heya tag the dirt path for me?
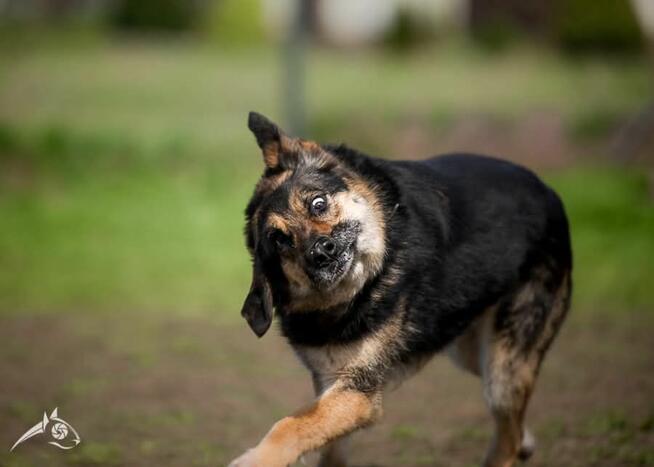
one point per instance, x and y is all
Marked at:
(151, 390)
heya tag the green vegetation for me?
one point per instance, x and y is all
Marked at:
(132, 234)
(612, 220)
(163, 15)
(94, 453)
(597, 26)
(125, 167)
(623, 437)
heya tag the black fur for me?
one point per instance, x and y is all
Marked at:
(464, 230)
(264, 130)
(475, 255)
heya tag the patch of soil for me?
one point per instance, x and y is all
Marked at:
(156, 390)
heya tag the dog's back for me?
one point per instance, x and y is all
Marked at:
(479, 229)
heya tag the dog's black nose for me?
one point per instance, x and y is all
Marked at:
(323, 252)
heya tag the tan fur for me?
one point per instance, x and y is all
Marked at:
(331, 362)
(389, 280)
(506, 442)
(269, 184)
(557, 315)
(299, 203)
(356, 204)
(271, 155)
(297, 278)
(508, 378)
(310, 146)
(371, 249)
(508, 374)
(334, 453)
(273, 150)
(277, 221)
(359, 203)
(337, 412)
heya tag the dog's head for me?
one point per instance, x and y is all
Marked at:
(315, 228)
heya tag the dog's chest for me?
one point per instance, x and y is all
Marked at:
(329, 361)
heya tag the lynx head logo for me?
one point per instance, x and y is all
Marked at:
(61, 432)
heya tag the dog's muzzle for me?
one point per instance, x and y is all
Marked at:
(329, 257)
(323, 253)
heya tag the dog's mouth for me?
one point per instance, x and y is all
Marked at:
(330, 275)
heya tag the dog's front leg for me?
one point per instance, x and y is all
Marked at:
(338, 411)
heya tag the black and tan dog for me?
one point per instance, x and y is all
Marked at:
(373, 266)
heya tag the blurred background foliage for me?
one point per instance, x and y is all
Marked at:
(603, 25)
(125, 162)
(157, 15)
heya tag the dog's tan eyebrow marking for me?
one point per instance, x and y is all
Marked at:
(277, 221)
(322, 225)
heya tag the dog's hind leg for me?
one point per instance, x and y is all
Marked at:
(505, 347)
(508, 382)
(512, 348)
(478, 352)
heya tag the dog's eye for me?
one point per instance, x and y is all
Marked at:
(280, 239)
(318, 205)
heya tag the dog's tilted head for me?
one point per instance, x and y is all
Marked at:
(315, 228)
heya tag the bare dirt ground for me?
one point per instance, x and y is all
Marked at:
(153, 390)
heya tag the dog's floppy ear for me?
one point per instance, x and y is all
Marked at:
(270, 138)
(258, 307)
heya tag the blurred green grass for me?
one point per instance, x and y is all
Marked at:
(136, 240)
(151, 90)
(611, 216)
(125, 165)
